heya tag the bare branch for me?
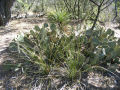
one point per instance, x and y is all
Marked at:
(116, 13)
(94, 2)
(98, 13)
(106, 2)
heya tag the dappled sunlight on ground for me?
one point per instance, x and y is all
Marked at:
(14, 28)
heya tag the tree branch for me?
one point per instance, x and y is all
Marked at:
(116, 13)
(107, 5)
(97, 16)
(94, 2)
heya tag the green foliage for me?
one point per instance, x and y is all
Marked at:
(42, 49)
(36, 9)
(75, 65)
(25, 5)
(59, 17)
(102, 45)
(79, 9)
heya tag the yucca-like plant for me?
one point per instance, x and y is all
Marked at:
(61, 17)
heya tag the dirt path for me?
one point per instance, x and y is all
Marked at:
(15, 27)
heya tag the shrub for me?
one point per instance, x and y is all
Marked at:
(25, 6)
(101, 45)
(41, 50)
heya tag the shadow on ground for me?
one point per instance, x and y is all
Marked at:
(10, 80)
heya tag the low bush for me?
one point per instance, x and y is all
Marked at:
(43, 49)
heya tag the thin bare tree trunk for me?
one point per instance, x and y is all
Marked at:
(98, 13)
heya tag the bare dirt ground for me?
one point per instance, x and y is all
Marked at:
(14, 28)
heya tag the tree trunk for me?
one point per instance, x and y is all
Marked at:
(5, 12)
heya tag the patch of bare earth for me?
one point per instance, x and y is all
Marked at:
(14, 28)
